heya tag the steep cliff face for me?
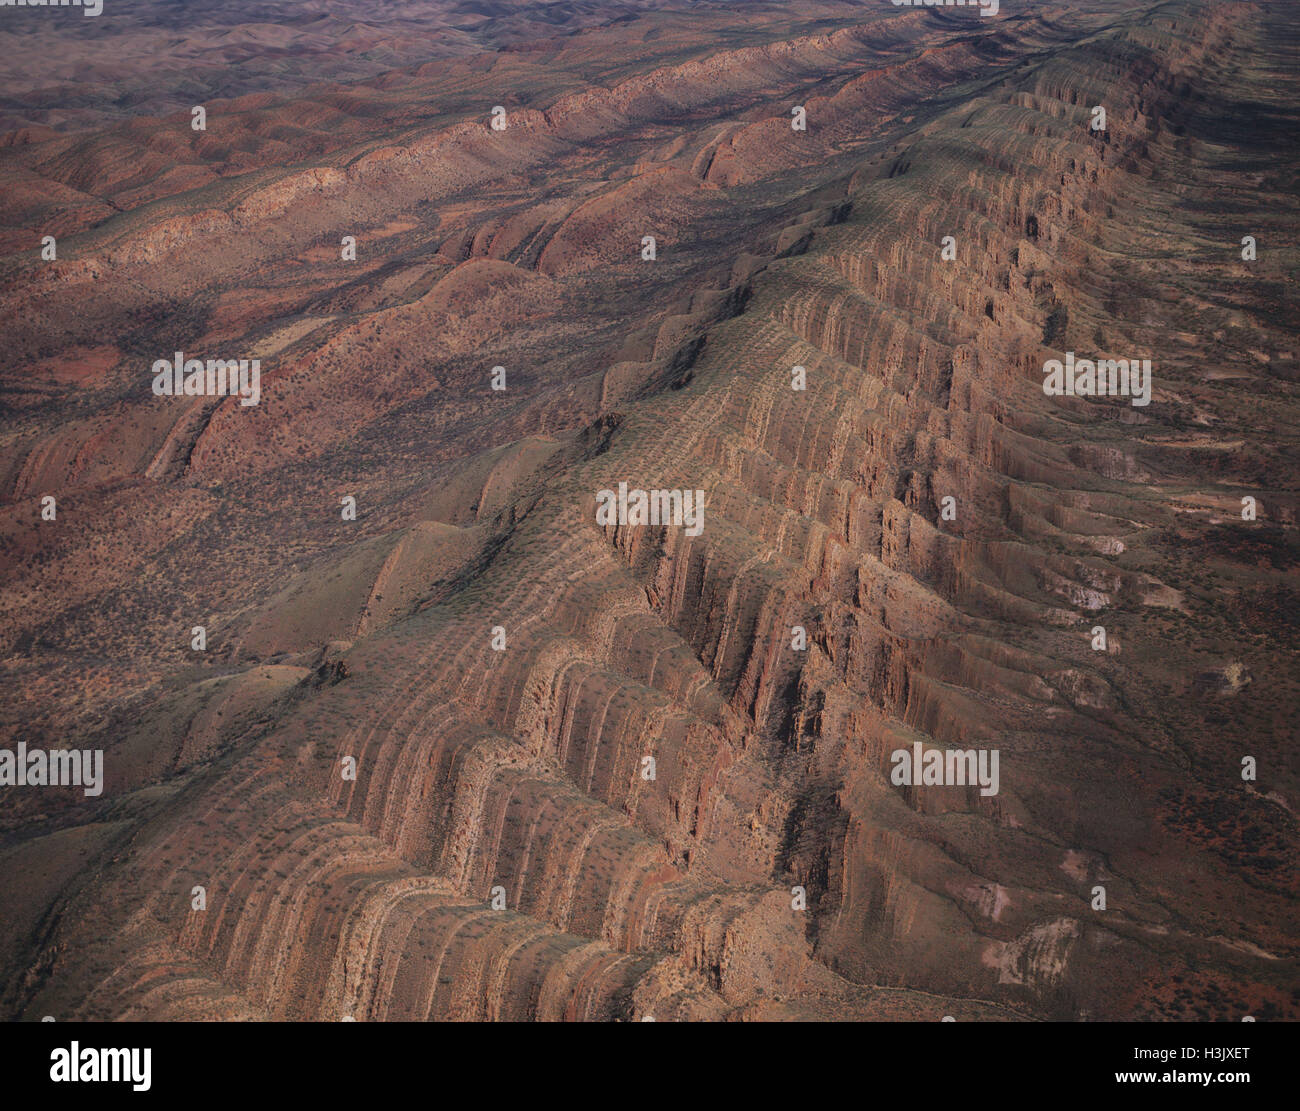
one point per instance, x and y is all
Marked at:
(479, 755)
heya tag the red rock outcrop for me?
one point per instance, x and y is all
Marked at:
(501, 670)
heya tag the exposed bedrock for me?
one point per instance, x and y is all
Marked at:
(503, 851)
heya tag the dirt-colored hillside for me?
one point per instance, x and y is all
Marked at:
(498, 666)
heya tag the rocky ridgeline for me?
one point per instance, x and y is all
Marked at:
(499, 851)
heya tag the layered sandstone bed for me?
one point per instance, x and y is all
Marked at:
(499, 854)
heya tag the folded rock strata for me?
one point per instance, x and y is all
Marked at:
(521, 769)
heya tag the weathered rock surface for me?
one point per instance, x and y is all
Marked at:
(521, 769)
